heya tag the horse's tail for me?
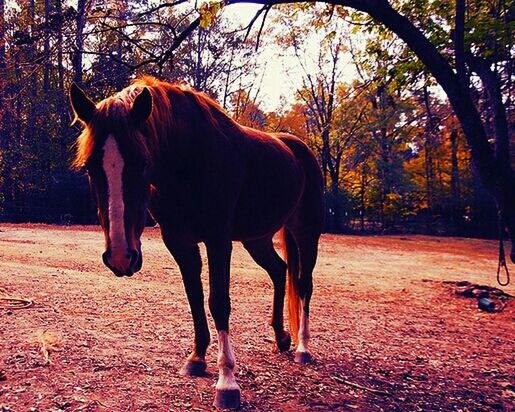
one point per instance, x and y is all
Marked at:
(291, 253)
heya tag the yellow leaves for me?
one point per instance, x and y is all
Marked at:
(49, 341)
(330, 36)
(208, 12)
(303, 6)
(342, 12)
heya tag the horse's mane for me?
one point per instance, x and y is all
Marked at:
(164, 96)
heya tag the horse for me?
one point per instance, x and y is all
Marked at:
(172, 151)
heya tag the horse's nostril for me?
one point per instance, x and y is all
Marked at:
(134, 258)
(105, 258)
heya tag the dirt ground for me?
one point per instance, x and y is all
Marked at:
(387, 332)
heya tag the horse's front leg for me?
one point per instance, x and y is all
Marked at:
(190, 265)
(219, 257)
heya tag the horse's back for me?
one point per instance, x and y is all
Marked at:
(246, 181)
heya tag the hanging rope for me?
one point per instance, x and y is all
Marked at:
(502, 254)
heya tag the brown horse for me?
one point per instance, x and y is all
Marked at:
(204, 178)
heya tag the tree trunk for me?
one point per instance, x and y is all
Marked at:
(429, 175)
(16, 134)
(428, 156)
(46, 50)
(79, 41)
(3, 65)
(228, 80)
(197, 81)
(29, 123)
(32, 47)
(60, 67)
(5, 115)
(459, 43)
(335, 192)
(362, 199)
(325, 154)
(122, 73)
(337, 215)
(491, 84)
(455, 182)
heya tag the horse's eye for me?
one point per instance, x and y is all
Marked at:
(139, 164)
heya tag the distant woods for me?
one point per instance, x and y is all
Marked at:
(393, 155)
(101, 45)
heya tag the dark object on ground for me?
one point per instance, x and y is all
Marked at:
(486, 304)
(490, 299)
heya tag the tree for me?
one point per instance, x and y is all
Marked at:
(215, 61)
(44, 46)
(318, 93)
(2, 57)
(246, 111)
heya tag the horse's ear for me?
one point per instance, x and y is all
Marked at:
(142, 106)
(82, 105)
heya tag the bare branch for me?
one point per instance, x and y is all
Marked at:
(262, 25)
(178, 40)
(161, 6)
(251, 24)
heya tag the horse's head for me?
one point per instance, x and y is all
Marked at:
(112, 148)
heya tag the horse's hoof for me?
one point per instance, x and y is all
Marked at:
(227, 398)
(194, 368)
(284, 343)
(303, 357)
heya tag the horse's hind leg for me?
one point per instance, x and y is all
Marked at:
(190, 265)
(264, 254)
(307, 244)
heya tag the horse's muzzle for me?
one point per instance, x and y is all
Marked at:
(125, 265)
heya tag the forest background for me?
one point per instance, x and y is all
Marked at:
(393, 156)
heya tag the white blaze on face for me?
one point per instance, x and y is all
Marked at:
(303, 330)
(226, 363)
(113, 167)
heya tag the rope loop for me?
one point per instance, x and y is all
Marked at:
(502, 254)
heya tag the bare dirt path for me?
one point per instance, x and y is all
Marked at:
(382, 318)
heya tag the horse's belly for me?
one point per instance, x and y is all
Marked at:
(269, 196)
